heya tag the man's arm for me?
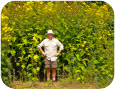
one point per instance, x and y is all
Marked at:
(42, 51)
(39, 46)
(61, 48)
(58, 53)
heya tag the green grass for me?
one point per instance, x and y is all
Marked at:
(60, 84)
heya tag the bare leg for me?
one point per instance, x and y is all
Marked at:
(53, 73)
(48, 73)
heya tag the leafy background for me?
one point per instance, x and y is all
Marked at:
(86, 29)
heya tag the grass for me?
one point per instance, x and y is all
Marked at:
(60, 84)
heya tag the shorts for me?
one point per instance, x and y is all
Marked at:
(49, 63)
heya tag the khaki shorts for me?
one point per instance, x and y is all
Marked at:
(49, 63)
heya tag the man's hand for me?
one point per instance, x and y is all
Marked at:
(44, 53)
(57, 54)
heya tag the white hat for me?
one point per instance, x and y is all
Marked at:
(50, 31)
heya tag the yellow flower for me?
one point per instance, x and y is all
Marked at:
(4, 17)
(50, 9)
(30, 49)
(35, 35)
(34, 38)
(18, 6)
(68, 6)
(78, 78)
(109, 34)
(29, 55)
(2, 54)
(100, 37)
(94, 4)
(105, 7)
(65, 2)
(103, 35)
(29, 8)
(84, 42)
(36, 56)
(84, 3)
(83, 45)
(41, 2)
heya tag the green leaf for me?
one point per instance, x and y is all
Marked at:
(23, 66)
(96, 61)
(30, 65)
(38, 68)
(40, 37)
(13, 52)
(84, 63)
(66, 68)
(24, 41)
(34, 79)
(23, 52)
(18, 64)
(5, 69)
(13, 23)
(78, 57)
(34, 71)
(14, 39)
(78, 71)
(29, 74)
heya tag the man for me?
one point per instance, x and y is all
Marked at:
(50, 47)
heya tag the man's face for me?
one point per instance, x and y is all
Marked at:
(50, 35)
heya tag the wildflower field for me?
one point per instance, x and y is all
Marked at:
(85, 28)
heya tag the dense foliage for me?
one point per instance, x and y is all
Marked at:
(86, 29)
